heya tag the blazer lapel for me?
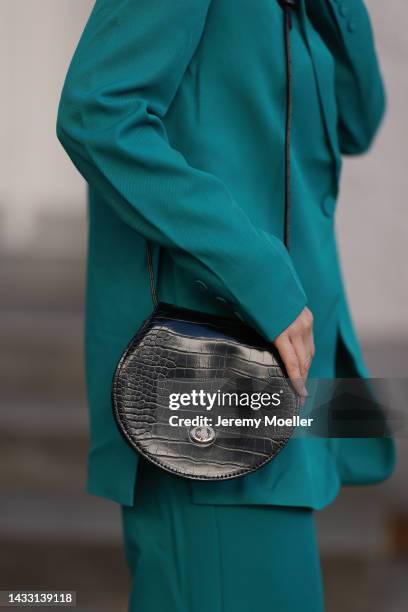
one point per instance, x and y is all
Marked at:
(324, 81)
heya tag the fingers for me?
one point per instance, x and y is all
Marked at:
(296, 348)
(304, 344)
(302, 352)
(291, 362)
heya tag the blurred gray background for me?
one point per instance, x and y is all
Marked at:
(52, 535)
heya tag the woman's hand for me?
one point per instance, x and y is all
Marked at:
(296, 348)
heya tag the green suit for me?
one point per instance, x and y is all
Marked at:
(174, 112)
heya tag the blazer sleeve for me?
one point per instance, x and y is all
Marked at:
(346, 30)
(123, 77)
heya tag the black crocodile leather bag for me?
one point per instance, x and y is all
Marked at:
(201, 396)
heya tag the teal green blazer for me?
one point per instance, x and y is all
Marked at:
(174, 112)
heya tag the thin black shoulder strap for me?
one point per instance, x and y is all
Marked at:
(287, 6)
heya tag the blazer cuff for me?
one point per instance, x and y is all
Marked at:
(272, 296)
(270, 309)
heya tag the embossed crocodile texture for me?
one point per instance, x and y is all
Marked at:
(177, 350)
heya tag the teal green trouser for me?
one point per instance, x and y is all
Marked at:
(185, 557)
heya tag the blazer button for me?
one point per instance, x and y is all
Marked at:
(343, 10)
(222, 300)
(201, 285)
(351, 26)
(329, 205)
(239, 315)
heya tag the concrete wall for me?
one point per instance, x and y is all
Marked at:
(37, 39)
